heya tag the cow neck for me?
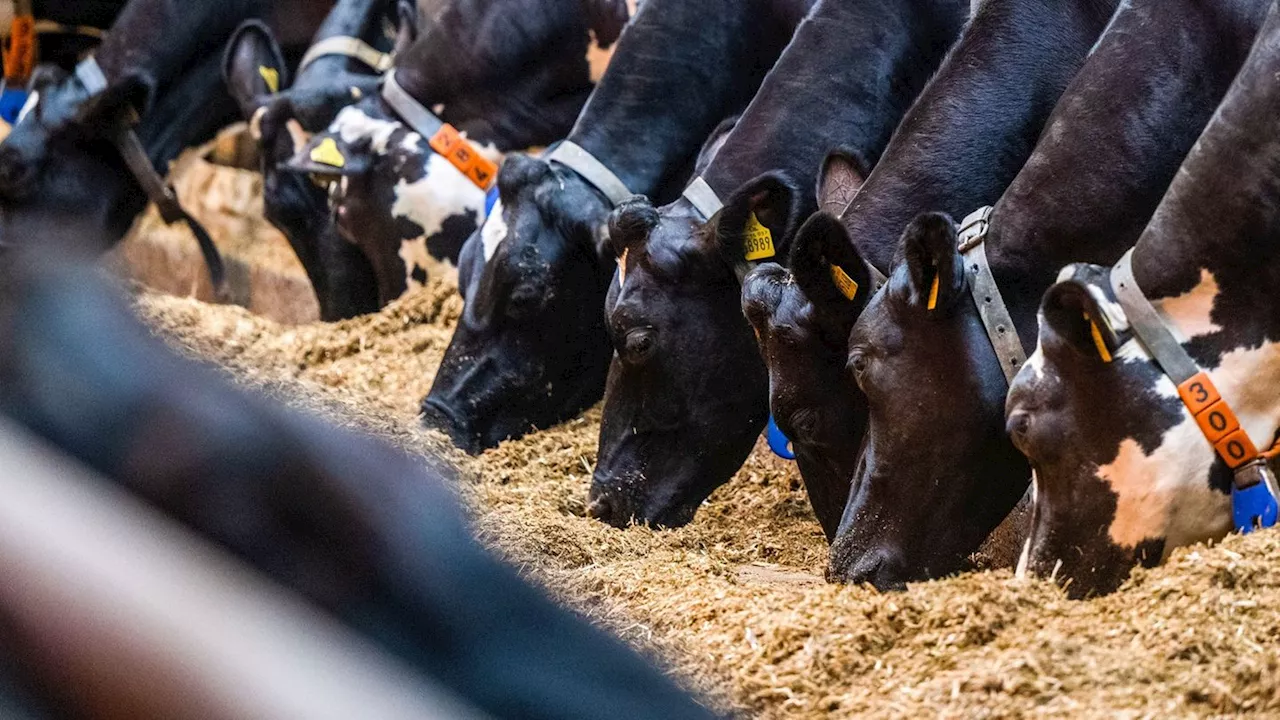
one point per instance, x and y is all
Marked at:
(351, 30)
(682, 66)
(1064, 206)
(976, 122)
(443, 138)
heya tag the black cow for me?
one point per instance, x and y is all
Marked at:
(686, 395)
(942, 155)
(283, 117)
(939, 474)
(160, 60)
(507, 75)
(362, 530)
(1123, 472)
(531, 349)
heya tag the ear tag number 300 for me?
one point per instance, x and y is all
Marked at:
(757, 240)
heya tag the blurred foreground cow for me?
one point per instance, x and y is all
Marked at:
(360, 529)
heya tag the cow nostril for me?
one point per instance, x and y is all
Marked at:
(882, 568)
(438, 415)
(599, 508)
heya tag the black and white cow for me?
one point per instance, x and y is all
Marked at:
(943, 155)
(283, 116)
(507, 75)
(531, 349)
(161, 60)
(686, 395)
(1123, 472)
(938, 474)
(365, 532)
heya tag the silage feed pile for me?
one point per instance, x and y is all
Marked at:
(734, 606)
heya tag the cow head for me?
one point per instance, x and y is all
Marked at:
(530, 349)
(59, 160)
(802, 318)
(282, 118)
(1122, 471)
(937, 474)
(503, 86)
(687, 393)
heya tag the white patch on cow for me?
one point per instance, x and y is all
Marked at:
(353, 125)
(356, 93)
(1191, 314)
(494, 231)
(438, 108)
(442, 193)
(32, 100)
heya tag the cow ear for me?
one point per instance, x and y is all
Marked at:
(829, 269)
(136, 90)
(1073, 325)
(756, 219)
(934, 274)
(630, 224)
(606, 19)
(406, 26)
(842, 175)
(253, 66)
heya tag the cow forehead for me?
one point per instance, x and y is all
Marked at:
(354, 124)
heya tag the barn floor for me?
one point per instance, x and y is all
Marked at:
(734, 605)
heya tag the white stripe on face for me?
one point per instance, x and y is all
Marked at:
(352, 125)
(32, 100)
(494, 231)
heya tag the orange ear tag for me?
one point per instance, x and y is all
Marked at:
(1098, 342)
(847, 286)
(20, 59)
(757, 241)
(453, 147)
(622, 267)
(933, 291)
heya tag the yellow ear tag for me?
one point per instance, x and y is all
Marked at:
(933, 291)
(622, 267)
(847, 286)
(1098, 342)
(327, 153)
(757, 240)
(271, 77)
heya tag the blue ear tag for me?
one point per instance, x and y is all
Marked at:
(490, 199)
(11, 103)
(778, 442)
(1253, 507)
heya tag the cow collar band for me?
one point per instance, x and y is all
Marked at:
(986, 295)
(574, 157)
(1254, 490)
(157, 190)
(441, 136)
(351, 47)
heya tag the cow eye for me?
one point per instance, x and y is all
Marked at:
(640, 344)
(858, 362)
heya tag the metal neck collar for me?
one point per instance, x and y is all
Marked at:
(352, 47)
(599, 176)
(157, 190)
(441, 136)
(986, 294)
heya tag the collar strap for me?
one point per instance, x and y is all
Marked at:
(574, 157)
(1217, 421)
(986, 294)
(157, 190)
(703, 198)
(441, 136)
(351, 47)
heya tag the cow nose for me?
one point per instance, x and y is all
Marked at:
(607, 507)
(884, 568)
(439, 415)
